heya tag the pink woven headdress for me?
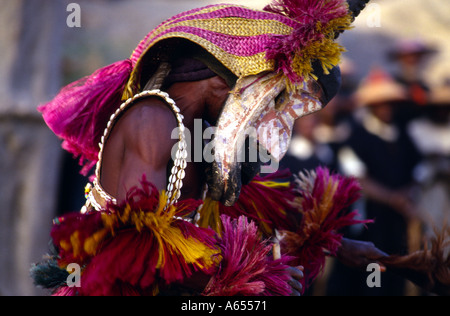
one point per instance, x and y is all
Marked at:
(80, 112)
(286, 38)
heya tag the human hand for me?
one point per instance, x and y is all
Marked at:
(297, 275)
(359, 254)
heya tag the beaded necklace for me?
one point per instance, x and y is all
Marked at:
(97, 197)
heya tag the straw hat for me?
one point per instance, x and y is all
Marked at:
(379, 86)
(410, 47)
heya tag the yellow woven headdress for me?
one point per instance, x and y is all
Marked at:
(286, 37)
(233, 41)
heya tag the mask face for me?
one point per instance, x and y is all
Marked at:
(263, 109)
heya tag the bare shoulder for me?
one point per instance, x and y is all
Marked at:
(149, 113)
(147, 128)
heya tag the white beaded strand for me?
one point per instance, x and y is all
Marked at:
(178, 173)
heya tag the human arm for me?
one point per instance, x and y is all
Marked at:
(140, 144)
(358, 254)
(399, 200)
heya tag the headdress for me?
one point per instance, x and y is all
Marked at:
(236, 42)
(379, 86)
(410, 47)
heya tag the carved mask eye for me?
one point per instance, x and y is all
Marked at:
(260, 107)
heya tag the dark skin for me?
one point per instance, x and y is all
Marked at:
(140, 143)
(359, 254)
(135, 148)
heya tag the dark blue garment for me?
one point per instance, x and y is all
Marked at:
(390, 164)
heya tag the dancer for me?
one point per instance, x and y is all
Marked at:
(156, 222)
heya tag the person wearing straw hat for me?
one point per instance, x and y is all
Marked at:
(411, 56)
(156, 222)
(383, 157)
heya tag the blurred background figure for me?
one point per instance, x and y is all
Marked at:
(431, 135)
(305, 152)
(335, 122)
(410, 58)
(383, 157)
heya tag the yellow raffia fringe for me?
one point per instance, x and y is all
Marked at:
(91, 244)
(327, 51)
(322, 208)
(75, 242)
(159, 223)
(209, 216)
(274, 184)
(326, 203)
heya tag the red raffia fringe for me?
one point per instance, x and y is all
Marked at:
(308, 214)
(270, 201)
(246, 268)
(136, 245)
(326, 199)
